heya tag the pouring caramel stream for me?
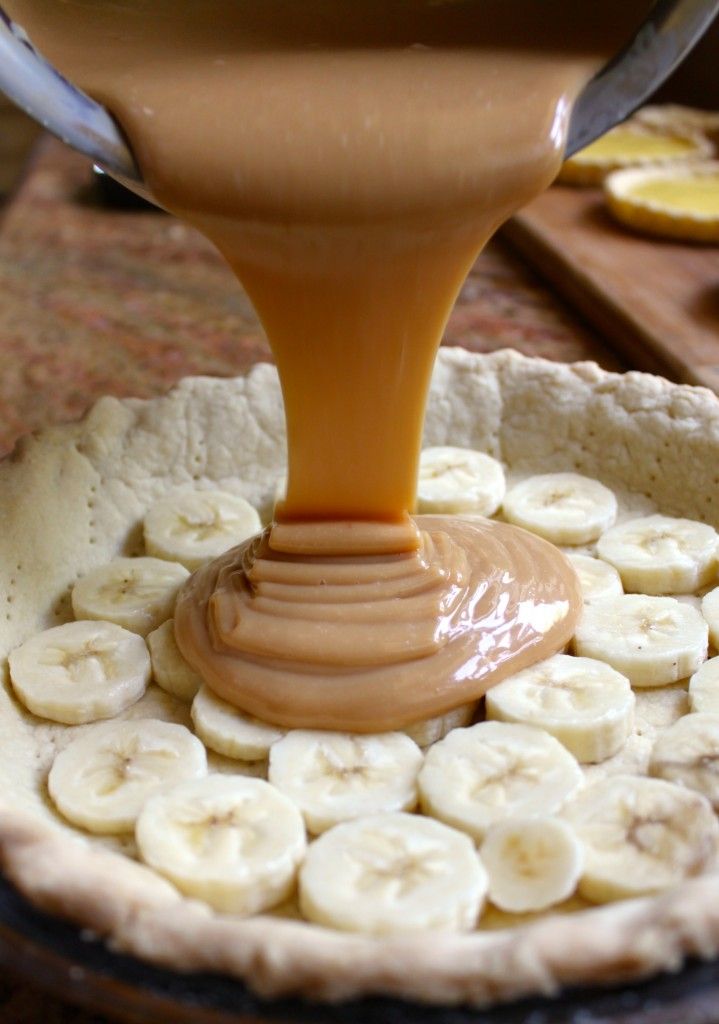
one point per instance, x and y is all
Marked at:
(350, 159)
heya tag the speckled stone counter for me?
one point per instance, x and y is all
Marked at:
(96, 301)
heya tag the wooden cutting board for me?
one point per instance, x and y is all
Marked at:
(655, 301)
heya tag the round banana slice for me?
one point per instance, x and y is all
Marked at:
(710, 611)
(459, 480)
(597, 579)
(688, 754)
(640, 836)
(136, 593)
(704, 687)
(633, 145)
(585, 704)
(661, 555)
(226, 730)
(651, 640)
(231, 841)
(334, 777)
(191, 527)
(431, 730)
(103, 778)
(532, 863)
(80, 672)
(393, 873)
(681, 201)
(493, 771)
(565, 508)
(169, 668)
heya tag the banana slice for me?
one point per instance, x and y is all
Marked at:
(392, 873)
(532, 863)
(492, 771)
(704, 687)
(231, 841)
(432, 730)
(334, 777)
(585, 704)
(101, 780)
(226, 730)
(640, 836)
(710, 611)
(80, 672)
(662, 555)
(169, 668)
(651, 640)
(458, 480)
(597, 579)
(136, 593)
(193, 526)
(688, 754)
(565, 508)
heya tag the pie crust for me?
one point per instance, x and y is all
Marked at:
(73, 497)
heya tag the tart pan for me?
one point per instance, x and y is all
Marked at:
(50, 954)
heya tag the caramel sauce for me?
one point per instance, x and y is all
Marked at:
(350, 158)
(379, 641)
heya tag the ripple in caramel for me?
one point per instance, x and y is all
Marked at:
(378, 641)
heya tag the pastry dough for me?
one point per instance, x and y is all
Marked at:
(73, 497)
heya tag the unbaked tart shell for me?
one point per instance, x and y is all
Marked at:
(73, 497)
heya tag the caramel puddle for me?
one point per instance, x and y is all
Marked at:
(379, 641)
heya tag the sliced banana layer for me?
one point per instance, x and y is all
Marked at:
(169, 668)
(640, 836)
(565, 508)
(597, 579)
(459, 480)
(102, 779)
(710, 611)
(585, 704)
(226, 730)
(651, 640)
(432, 730)
(704, 687)
(532, 863)
(191, 527)
(136, 593)
(688, 753)
(393, 873)
(80, 672)
(661, 555)
(494, 771)
(334, 777)
(231, 841)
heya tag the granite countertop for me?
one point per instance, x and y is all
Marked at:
(96, 301)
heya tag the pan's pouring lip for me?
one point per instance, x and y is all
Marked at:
(39, 89)
(671, 30)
